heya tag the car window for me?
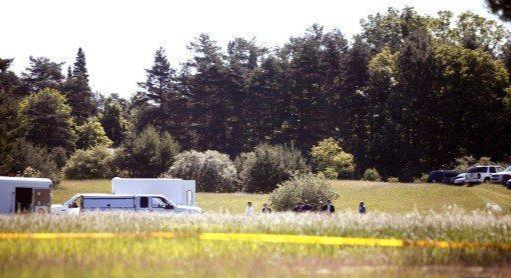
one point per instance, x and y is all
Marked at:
(500, 169)
(508, 169)
(478, 170)
(144, 202)
(493, 170)
(158, 202)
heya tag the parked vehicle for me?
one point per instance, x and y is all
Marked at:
(501, 176)
(449, 177)
(20, 195)
(109, 202)
(438, 176)
(460, 179)
(178, 191)
(480, 174)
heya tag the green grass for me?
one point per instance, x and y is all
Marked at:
(410, 211)
(378, 196)
(149, 257)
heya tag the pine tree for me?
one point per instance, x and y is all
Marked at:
(77, 90)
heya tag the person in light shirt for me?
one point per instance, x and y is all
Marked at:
(249, 209)
(328, 207)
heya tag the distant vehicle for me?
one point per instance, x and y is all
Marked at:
(460, 179)
(449, 177)
(501, 177)
(480, 174)
(109, 202)
(178, 191)
(20, 195)
(438, 176)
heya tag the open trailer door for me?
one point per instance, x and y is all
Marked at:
(42, 200)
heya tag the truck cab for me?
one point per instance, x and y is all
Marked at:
(108, 202)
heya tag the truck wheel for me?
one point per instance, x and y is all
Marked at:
(486, 180)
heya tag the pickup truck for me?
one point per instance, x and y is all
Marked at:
(108, 202)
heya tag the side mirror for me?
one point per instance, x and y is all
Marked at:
(169, 206)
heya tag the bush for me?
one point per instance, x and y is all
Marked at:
(267, 166)
(371, 174)
(95, 163)
(462, 164)
(147, 154)
(329, 157)
(308, 188)
(213, 171)
(25, 157)
(392, 179)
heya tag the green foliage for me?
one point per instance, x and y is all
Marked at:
(307, 188)
(93, 163)
(266, 166)
(371, 174)
(45, 120)
(392, 180)
(212, 171)
(329, 158)
(462, 164)
(23, 155)
(91, 134)
(147, 154)
(113, 121)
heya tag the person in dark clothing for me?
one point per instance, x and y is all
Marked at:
(362, 208)
(266, 209)
(307, 206)
(298, 207)
(328, 207)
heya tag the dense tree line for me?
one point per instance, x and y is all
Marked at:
(408, 94)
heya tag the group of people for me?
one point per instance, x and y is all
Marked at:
(327, 207)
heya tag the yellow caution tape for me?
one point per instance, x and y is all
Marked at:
(268, 238)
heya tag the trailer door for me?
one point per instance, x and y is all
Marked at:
(42, 200)
(23, 199)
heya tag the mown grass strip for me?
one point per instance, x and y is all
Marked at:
(268, 238)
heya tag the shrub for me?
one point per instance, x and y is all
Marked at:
(392, 179)
(327, 155)
(95, 163)
(32, 173)
(308, 188)
(213, 171)
(24, 156)
(371, 174)
(462, 164)
(147, 154)
(422, 178)
(267, 166)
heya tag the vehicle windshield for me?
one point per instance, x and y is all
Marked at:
(477, 170)
(70, 201)
(508, 169)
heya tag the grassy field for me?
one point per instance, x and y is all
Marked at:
(378, 196)
(408, 211)
(149, 257)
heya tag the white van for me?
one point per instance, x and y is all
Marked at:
(108, 202)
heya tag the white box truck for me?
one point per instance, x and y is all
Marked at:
(181, 192)
(19, 195)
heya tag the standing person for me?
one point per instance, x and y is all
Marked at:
(328, 207)
(266, 209)
(362, 208)
(249, 209)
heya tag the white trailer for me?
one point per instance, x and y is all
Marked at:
(181, 192)
(19, 195)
